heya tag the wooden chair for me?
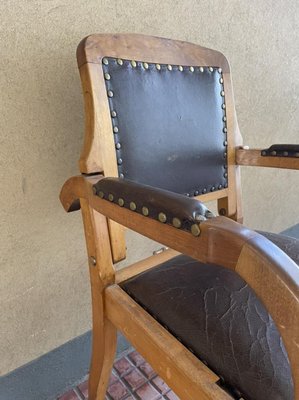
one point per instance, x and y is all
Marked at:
(162, 139)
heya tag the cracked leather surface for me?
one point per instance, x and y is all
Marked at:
(218, 317)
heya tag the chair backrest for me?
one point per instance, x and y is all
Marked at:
(160, 112)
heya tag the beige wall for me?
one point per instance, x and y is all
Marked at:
(44, 283)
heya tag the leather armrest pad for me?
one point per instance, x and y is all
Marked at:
(167, 207)
(282, 150)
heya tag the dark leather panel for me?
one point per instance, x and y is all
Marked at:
(169, 125)
(219, 318)
(178, 210)
(282, 150)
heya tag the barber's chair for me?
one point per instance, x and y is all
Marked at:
(217, 314)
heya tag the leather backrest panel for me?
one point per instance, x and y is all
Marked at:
(169, 124)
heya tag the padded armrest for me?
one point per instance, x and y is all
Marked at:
(171, 208)
(281, 150)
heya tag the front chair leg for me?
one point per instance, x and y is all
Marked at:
(102, 274)
(103, 353)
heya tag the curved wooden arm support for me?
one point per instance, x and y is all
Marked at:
(268, 270)
(254, 158)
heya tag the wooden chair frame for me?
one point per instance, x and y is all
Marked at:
(269, 271)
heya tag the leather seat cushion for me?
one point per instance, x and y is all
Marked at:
(214, 313)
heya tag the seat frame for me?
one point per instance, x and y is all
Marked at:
(223, 240)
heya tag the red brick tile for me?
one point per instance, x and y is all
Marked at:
(83, 387)
(136, 358)
(147, 370)
(118, 391)
(172, 396)
(147, 392)
(134, 379)
(160, 385)
(123, 366)
(70, 395)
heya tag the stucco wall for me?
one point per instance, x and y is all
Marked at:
(44, 285)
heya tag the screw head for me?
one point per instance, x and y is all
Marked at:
(92, 261)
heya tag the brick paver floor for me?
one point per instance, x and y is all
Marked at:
(132, 378)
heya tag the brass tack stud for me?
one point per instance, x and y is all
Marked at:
(204, 190)
(220, 70)
(201, 69)
(119, 161)
(196, 193)
(225, 155)
(158, 67)
(181, 69)
(224, 119)
(225, 143)
(105, 61)
(212, 188)
(145, 65)
(120, 61)
(195, 230)
(221, 80)
(110, 197)
(222, 93)
(101, 194)
(115, 129)
(110, 93)
(224, 129)
(113, 114)
(107, 76)
(223, 106)
(220, 187)
(176, 222)
(121, 176)
(211, 69)
(191, 69)
(226, 185)
(118, 146)
(225, 174)
(145, 211)
(134, 63)
(121, 202)
(162, 217)
(169, 67)
(94, 190)
(133, 206)
(285, 153)
(273, 153)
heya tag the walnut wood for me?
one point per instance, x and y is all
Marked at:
(254, 158)
(178, 367)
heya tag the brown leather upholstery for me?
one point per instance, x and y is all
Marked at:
(169, 125)
(151, 202)
(215, 314)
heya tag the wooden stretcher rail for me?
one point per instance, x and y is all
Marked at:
(254, 158)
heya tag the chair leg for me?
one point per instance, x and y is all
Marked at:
(103, 352)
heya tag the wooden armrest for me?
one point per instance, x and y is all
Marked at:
(268, 270)
(168, 207)
(274, 157)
